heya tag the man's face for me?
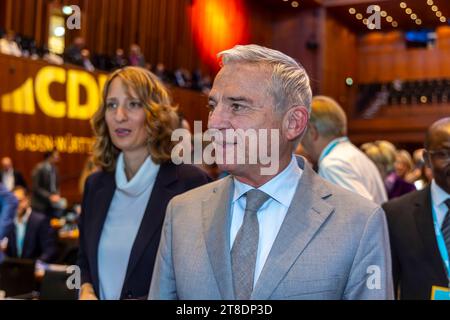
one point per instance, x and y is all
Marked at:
(240, 99)
(437, 157)
(24, 202)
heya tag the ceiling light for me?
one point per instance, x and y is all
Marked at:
(365, 21)
(438, 14)
(403, 5)
(408, 10)
(395, 24)
(430, 2)
(434, 8)
(418, 22)
(359, 16)
(414, 16)
(443, 19)
(294, 4)
(352, 10)
(389, 19)
(383, 13)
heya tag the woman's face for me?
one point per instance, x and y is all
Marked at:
(401, 168)
(125, 117)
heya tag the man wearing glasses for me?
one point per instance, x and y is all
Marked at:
(419, 226)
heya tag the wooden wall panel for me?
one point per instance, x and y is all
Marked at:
(383, 57)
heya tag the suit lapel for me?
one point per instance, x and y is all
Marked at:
(102, 200)
(216, 224)
(306, 214)
(154, 214)
(28, 241)
(425, 226)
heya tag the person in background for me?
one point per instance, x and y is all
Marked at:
(395, 184)
(124, 204)
(8, 206)
(119, 60)
(9, 46)
(136, 58)
(45, 189)
(421, 175)
(87, 63)
(403, 163)
(73, 53)
(419, 224)
(338, 160)
(10, 177)
(32, 236)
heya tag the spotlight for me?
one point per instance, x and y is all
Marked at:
(389, 19)
(352, 10)
(443, 19)
(403, 5)
(383, 14)
(408, 11)
(438, 14)
(413, 16)
(395, 24)
(434, 8)
(430, 2)
(359, 16)
(418, 22)
(294, 4)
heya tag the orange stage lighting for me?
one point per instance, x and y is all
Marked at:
(217, 25)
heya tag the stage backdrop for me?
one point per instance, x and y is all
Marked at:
(45, 106)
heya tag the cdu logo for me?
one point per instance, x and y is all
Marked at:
(74, 20)
(374, 20)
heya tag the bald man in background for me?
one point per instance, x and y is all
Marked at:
(419, 224)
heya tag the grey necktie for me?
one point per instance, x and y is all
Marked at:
(245, 246)
(446, 227)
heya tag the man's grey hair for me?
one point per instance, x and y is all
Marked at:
(328, 117)
(290, 82)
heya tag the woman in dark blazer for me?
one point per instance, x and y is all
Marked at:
(124, 204)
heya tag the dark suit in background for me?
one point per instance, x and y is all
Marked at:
(39, 243)
(417, 262)
(99, 191)
(45, 183)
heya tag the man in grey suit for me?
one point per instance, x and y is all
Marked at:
(284, 235)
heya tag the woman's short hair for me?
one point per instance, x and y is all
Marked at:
(161, 117)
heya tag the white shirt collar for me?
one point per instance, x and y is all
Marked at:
(280, 188)
(438, 195)
(145, 176)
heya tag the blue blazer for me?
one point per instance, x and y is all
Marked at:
(99, 191)
(40, 240)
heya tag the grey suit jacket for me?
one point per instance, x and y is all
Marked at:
(333, 244)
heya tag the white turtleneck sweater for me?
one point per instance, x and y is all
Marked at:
(122, 224)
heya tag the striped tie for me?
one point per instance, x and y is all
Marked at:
(446, 227)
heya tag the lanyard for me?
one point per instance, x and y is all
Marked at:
(441, 245)
(331, 146)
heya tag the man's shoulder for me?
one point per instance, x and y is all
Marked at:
(402, 205)
(348, 204)
(200, 193)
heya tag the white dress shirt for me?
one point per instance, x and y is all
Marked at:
(345, 165)
(8, 179)
(438, 197)
(122, 225)
(271, 215)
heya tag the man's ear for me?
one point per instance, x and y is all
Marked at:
(295, 122)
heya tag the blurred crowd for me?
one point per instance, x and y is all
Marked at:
(78, 54)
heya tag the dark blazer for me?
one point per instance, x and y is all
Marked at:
(40, 240)
(99, 191)
(19, 180)
(417, 263)
(41, 189)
